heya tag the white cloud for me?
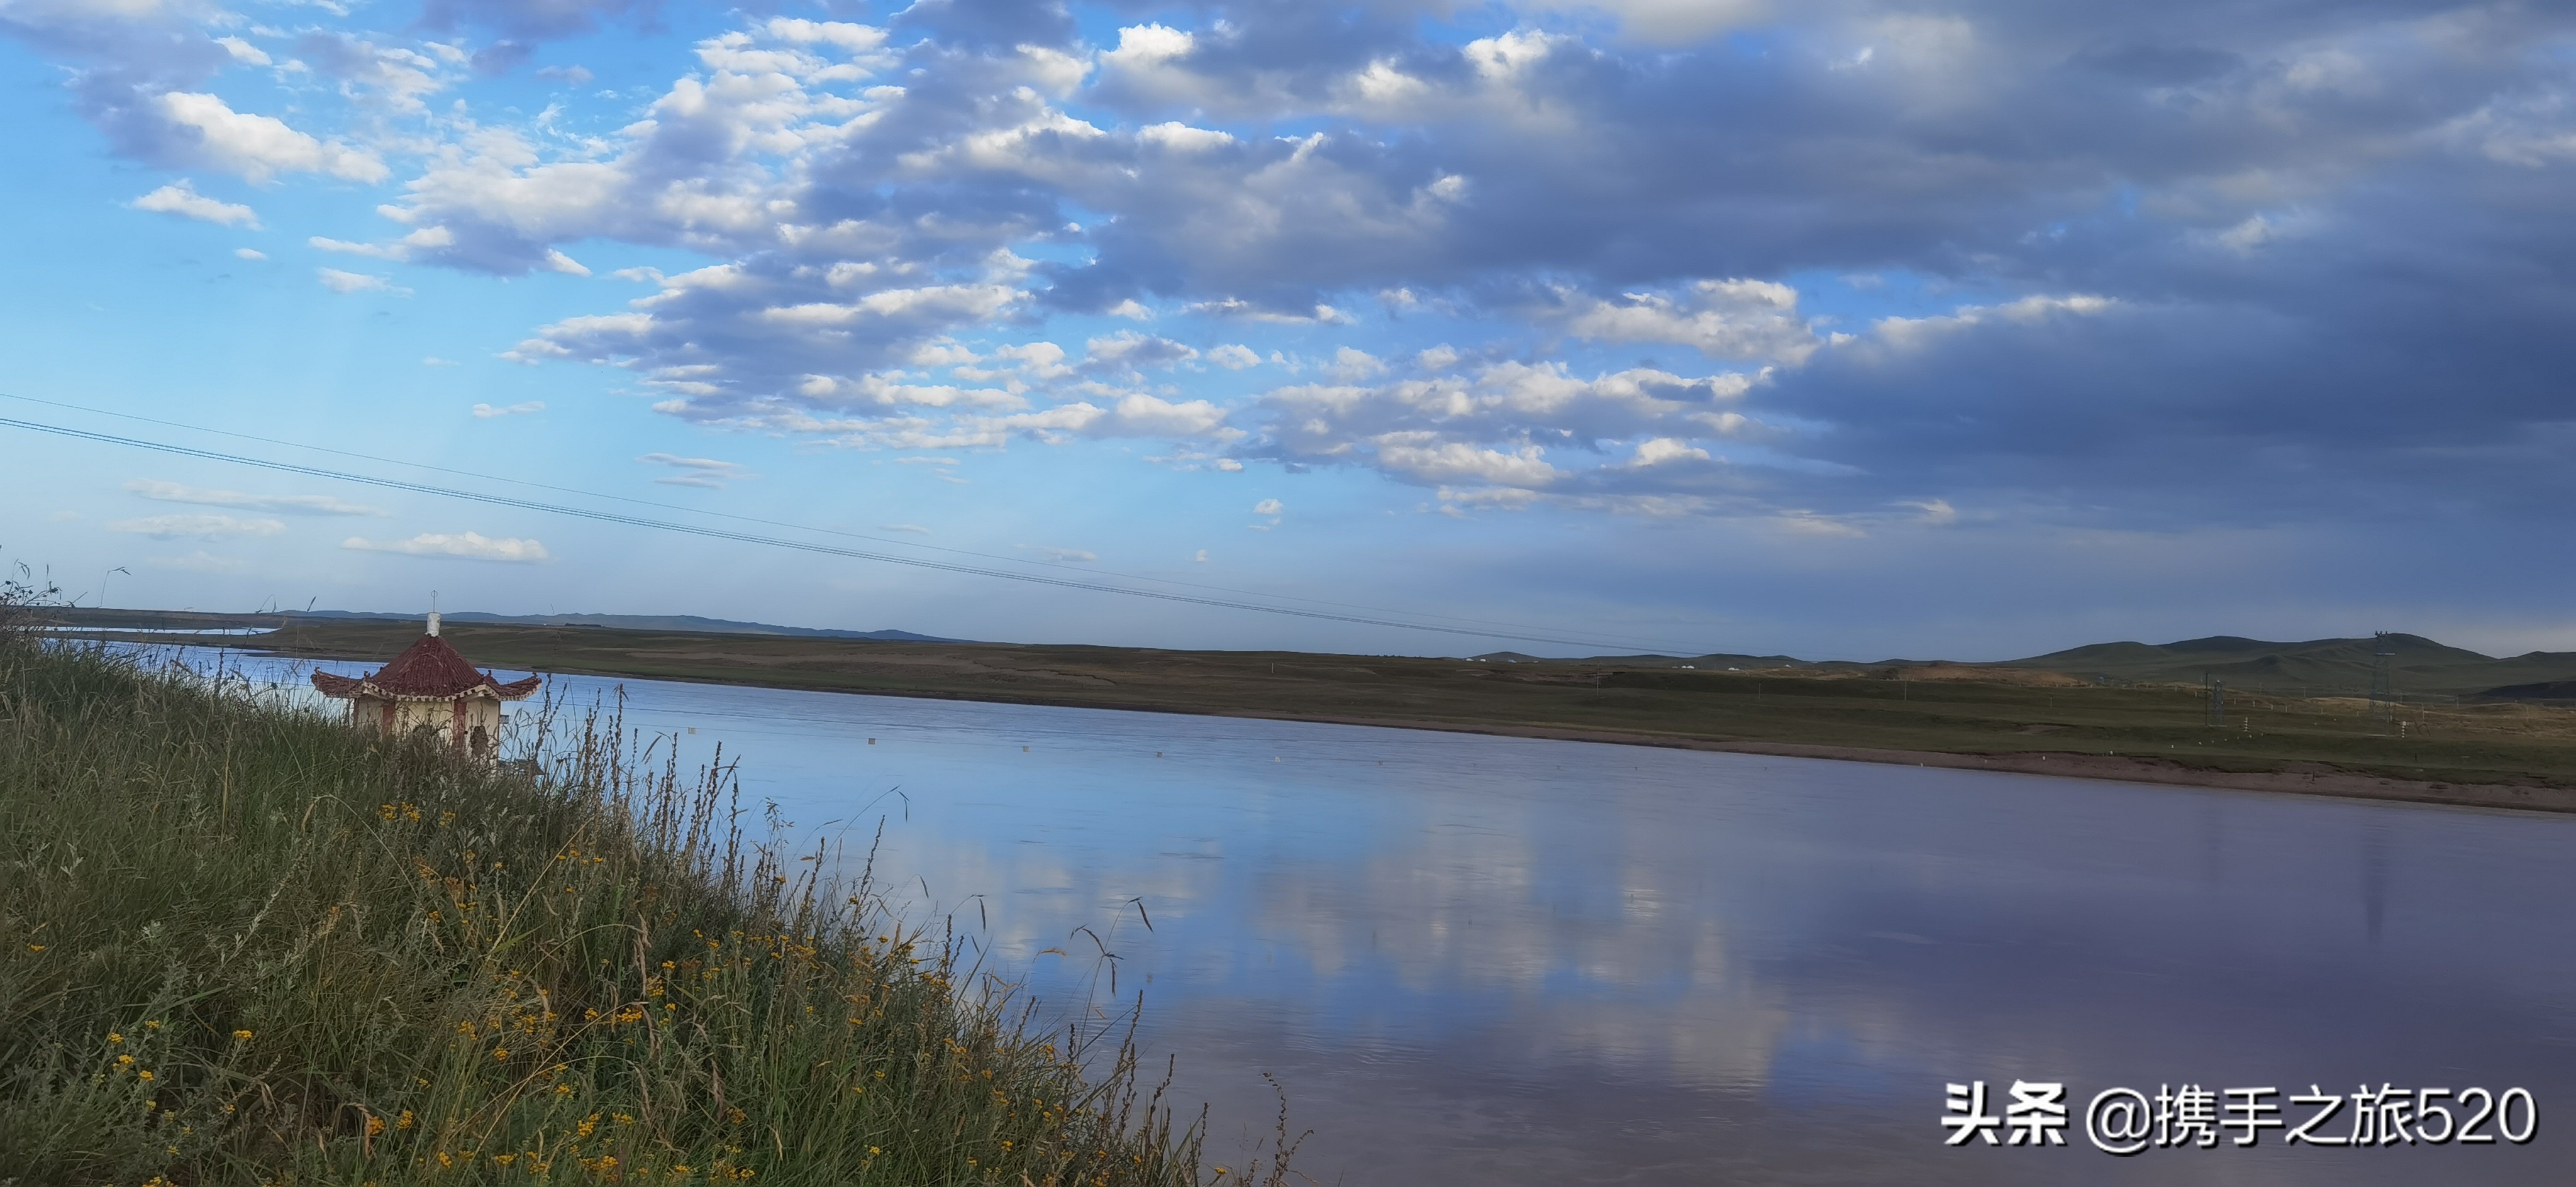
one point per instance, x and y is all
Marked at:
(1488, 428)
(182, 199)
(257, 147)
(1903, 333)
(1431, 461)
(706, 473)
(243, 51)
(465, 545)
(1145, 45)
(1068, 555)
(1723, 319)
(1352, 366)
(172, 527)
(249, 253)
(1129, 350)
(346, 248)
(914, 528)
(1936, 512)
(1659, 450)
(431, 360)
(488, 412)
(1803, 522)
(1268, 507)
(1233, 357)
(346, 283)
(172, 492)
(1201, 557)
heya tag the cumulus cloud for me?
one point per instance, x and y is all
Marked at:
(193, 128)
(173, 492)
(208, 527)
(1496, 424)
(2106, 255)
(1128, 350)
(1723, 319)
(396, 77)
(182, 199)
(463, 545)
(487, 411)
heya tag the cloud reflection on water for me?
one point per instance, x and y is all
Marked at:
(1489, 960)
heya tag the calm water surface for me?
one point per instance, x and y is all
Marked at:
(1486, 960)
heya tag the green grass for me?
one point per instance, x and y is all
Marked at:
(241, 944)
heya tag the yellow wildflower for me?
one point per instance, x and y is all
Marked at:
(241, 1036)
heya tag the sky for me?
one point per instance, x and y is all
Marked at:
(1845, 328)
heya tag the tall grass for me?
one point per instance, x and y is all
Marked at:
(241, 944)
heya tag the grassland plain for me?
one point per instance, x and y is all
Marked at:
(242, 945)
(2498, 754)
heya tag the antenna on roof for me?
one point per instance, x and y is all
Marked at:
(433, 612)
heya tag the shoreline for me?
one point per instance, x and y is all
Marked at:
(2294, 777)
(2316, 779)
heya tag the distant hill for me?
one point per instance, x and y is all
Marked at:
(2316, 667)
(2416, 665)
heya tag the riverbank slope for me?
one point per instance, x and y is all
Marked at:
(241, 944)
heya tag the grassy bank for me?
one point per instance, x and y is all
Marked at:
(239, 944)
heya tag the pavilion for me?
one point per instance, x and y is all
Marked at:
(429, 687)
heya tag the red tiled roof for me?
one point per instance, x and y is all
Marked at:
(428, 670)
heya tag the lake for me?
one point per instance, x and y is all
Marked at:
(1485, 960)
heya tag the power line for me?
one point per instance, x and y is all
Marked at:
(771, 541)
(1599, 639)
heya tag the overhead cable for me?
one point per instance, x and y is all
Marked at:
(714, 533)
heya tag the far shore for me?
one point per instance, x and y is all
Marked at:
(2494, 758)
(2322, 779)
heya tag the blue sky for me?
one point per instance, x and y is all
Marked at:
(1846, 329)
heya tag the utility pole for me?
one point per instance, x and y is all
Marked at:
(2217, 699)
